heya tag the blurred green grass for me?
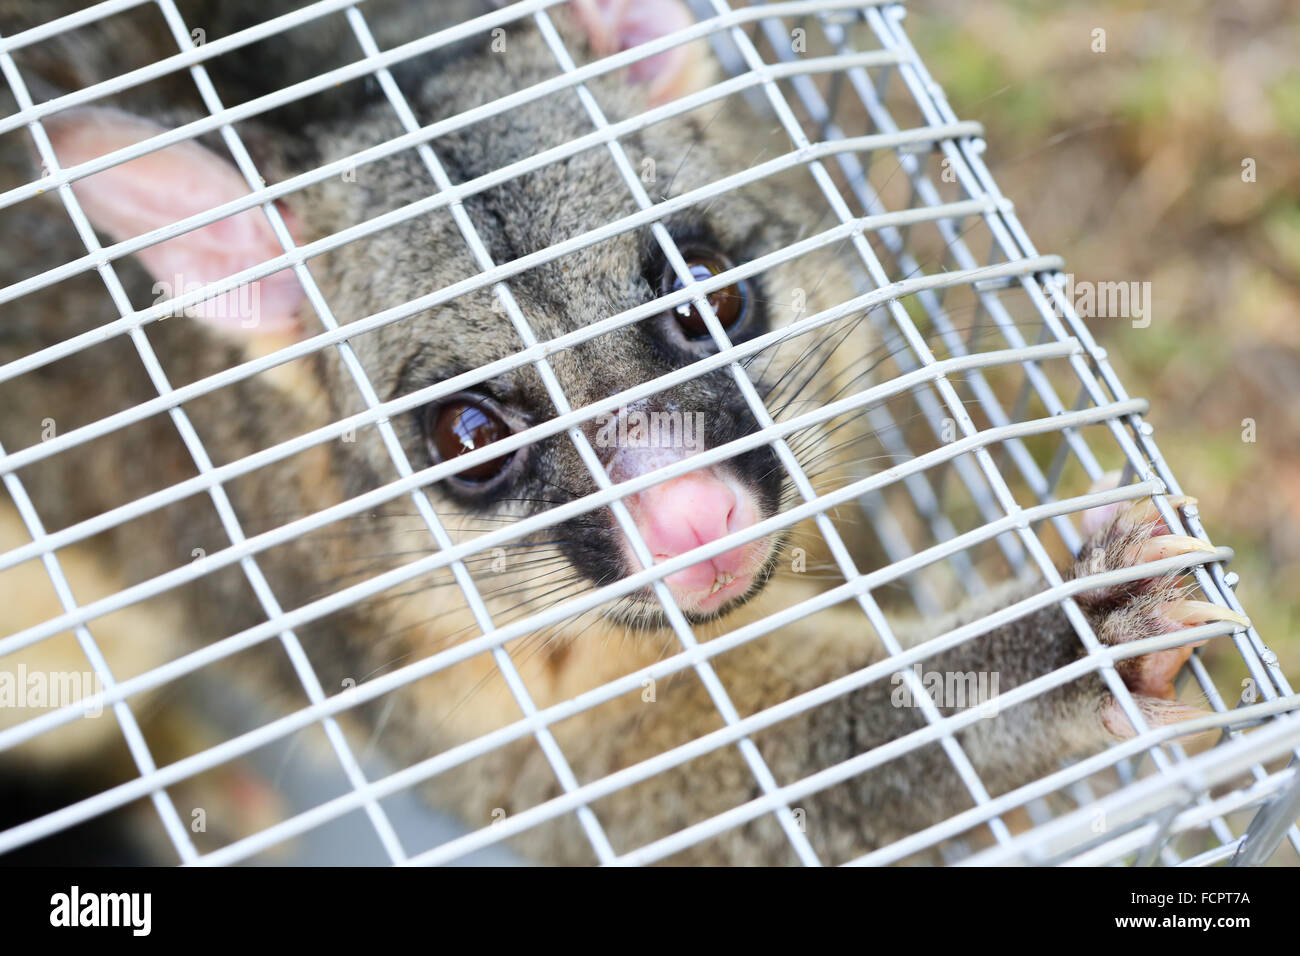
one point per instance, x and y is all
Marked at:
(1129, 162)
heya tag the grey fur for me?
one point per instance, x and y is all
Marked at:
(424, 255)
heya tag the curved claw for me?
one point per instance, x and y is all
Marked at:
(1141, 512)
(1188, 613)
(1170, 546)
(1144, 510)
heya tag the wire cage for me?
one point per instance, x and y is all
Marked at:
(995, 419)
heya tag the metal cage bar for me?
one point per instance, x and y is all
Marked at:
(1173, 800)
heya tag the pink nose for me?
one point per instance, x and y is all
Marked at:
(684, 513)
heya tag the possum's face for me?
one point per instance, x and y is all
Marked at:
(666, 427)
(524, 216)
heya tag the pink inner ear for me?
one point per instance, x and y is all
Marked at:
(614, 25)
(168, 185)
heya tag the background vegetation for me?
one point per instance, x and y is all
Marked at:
(1129, 163)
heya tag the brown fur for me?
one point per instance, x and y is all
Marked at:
(458, 704)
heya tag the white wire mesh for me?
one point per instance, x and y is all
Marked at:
(949, 519)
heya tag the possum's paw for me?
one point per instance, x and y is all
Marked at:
(1124, 536)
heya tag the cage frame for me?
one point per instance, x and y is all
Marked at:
(1011, 525)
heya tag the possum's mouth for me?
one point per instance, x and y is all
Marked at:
(727, 592)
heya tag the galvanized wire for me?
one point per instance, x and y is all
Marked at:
(1172, 800)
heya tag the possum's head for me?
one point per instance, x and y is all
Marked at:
(515, 218)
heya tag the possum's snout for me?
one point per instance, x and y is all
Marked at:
(690, 511)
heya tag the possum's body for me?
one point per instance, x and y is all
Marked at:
(429, 615)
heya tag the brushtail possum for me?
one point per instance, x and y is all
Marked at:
(514, 218)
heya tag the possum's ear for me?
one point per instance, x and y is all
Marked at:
(167, 185)
(614, 25)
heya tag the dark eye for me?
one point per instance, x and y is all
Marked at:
(728, 303)
(463, 425)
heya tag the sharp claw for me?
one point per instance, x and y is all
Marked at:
(1202, 612)
(1144, 510)
(1171, 545)
(1140, 512)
